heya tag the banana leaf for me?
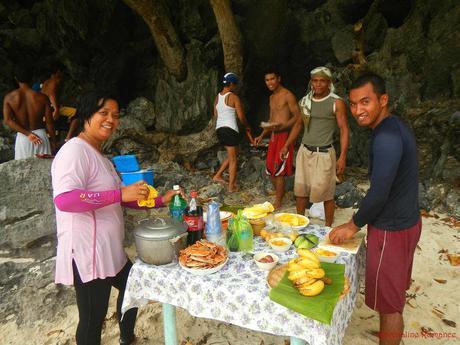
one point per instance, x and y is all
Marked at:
(320, 307)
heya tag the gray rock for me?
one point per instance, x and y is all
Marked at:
(212, 191)
(28, 292)
(221, 156)
(6, 150)
(253, 171)
(186, 106)
(375, 28)
(423, 200)
(453, 202)
(343, 44)
(202, 165)
(347, 195)
(436, 194)
(142, 110)
(26, 205)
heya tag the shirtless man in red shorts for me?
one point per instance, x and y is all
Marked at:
(284, 112)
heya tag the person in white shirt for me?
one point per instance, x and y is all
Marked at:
(227, 107)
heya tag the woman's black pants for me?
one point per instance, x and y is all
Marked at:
(93, 303)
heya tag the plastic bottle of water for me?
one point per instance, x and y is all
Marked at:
(177, 205)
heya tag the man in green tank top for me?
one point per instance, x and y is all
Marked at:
(316, 165)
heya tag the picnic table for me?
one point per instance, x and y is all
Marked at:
(238, 294)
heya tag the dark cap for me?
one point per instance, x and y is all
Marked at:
(230, 78)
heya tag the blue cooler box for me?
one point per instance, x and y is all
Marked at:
(126, 163)
(132, 177)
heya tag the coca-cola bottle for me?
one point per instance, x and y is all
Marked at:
(193, 216)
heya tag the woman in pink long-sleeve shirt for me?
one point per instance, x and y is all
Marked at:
(88, 196)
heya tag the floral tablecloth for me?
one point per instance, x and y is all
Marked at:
(238, 294)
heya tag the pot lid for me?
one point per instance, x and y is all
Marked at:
(159, 228)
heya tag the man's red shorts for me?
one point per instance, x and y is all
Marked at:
(274, 165)
(390, 255)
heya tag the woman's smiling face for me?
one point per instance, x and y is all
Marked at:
(103, 123)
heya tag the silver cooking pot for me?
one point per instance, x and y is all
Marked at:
(159, 240)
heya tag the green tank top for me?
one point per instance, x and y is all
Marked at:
(323, 123)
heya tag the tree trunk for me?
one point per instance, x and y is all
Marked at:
(164, 35)
(230, 36)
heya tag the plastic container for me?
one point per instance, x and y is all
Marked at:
(213, 229)
(239, 236)
(177, 205)
(132, 177)
(126, 163)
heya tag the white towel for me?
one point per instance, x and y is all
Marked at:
(24, 148)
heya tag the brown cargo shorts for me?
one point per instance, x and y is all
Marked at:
(315, 174)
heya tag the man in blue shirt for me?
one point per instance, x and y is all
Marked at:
(390, 208)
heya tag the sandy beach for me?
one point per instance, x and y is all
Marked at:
(431, 313)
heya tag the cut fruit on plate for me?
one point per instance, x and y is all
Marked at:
(258, 211)
(250, 215)
(306, 241)
(296, 221)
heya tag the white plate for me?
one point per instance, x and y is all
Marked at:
(298, 227)
(268, 124)
(203, 272)
(224, 215)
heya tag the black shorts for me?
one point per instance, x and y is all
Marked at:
(228, 136)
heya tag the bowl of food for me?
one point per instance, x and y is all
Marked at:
(266, 261)
(280, 244)
(326, 255)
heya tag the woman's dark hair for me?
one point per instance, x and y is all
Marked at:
(377, 82)
(89, 104)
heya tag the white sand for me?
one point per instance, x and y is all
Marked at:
(429, 264)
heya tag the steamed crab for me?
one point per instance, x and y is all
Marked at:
(203, 254)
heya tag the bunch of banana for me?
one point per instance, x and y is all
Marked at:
(306, 273)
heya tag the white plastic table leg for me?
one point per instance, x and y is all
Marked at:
(297, 341)
(169, 324)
